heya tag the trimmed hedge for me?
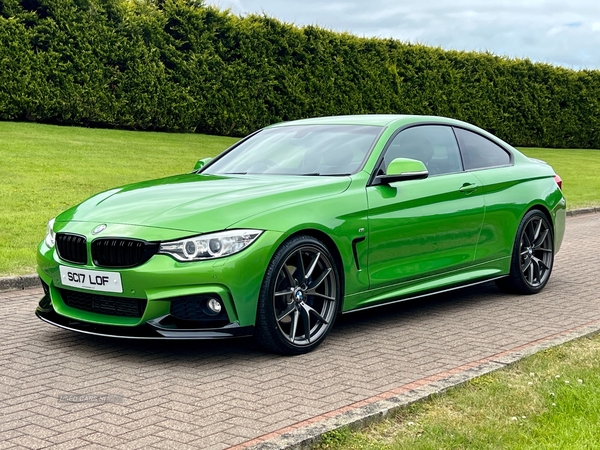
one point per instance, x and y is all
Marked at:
(177, 65)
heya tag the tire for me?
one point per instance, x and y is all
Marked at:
(299, 298)
(532, 256)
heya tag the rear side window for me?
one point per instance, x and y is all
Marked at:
(479, 152)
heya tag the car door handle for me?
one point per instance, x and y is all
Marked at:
(468, 188)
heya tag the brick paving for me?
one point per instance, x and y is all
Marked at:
(220, 394)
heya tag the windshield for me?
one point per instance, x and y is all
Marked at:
(299, 150)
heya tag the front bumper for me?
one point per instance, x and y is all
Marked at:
(149, 291)
(165, 327)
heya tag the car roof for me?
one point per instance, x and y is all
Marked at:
(381, 120)
(395, 120)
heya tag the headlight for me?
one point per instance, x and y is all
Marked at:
(208, 246)
(50, 234)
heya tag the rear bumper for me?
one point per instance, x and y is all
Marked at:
(165, 327)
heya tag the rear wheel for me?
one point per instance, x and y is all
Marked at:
(299, 298)
(533, 255)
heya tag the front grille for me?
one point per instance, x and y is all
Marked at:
(104, 304)
(114, 252)
(72, 248)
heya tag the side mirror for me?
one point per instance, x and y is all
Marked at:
(201, 163)
(402, 169)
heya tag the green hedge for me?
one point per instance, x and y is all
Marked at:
(178, 65)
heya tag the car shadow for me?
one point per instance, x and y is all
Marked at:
(347, 326)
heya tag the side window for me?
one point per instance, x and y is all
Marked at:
(479, 152)
(434, 145)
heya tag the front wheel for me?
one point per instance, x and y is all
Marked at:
(533, 255)
(299, 298)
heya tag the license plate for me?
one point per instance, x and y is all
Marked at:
(95, 280)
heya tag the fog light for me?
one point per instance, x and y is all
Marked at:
(214, 305)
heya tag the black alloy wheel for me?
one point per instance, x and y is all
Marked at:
(299, 298)
(533, 255)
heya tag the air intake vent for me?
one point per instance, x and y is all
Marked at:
(113, 252)
(72, 248)
(194, 310)
(104, 304)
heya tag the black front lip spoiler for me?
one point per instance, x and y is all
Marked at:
(153, 329)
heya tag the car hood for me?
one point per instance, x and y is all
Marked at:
(200, 203)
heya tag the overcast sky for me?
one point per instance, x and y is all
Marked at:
(565, 33)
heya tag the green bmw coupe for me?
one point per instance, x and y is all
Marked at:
(299, 222)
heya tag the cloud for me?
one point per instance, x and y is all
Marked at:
(551, 31)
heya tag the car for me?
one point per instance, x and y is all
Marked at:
(299, 222)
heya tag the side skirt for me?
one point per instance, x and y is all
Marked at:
(426, 294)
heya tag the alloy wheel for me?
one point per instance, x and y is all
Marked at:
(536, 251)
(304, 296)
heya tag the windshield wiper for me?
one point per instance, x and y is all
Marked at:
(327, 174)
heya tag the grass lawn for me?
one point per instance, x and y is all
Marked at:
(548, 401)
(579, 170)
(45, 169)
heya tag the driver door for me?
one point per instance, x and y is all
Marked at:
(422, 228)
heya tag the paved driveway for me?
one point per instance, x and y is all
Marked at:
(63, 390)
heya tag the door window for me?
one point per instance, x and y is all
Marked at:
(434, 145)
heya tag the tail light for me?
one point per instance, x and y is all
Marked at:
(558, 181)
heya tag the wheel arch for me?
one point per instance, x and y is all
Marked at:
(544, 210)
(333, 249)
(538, 207)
